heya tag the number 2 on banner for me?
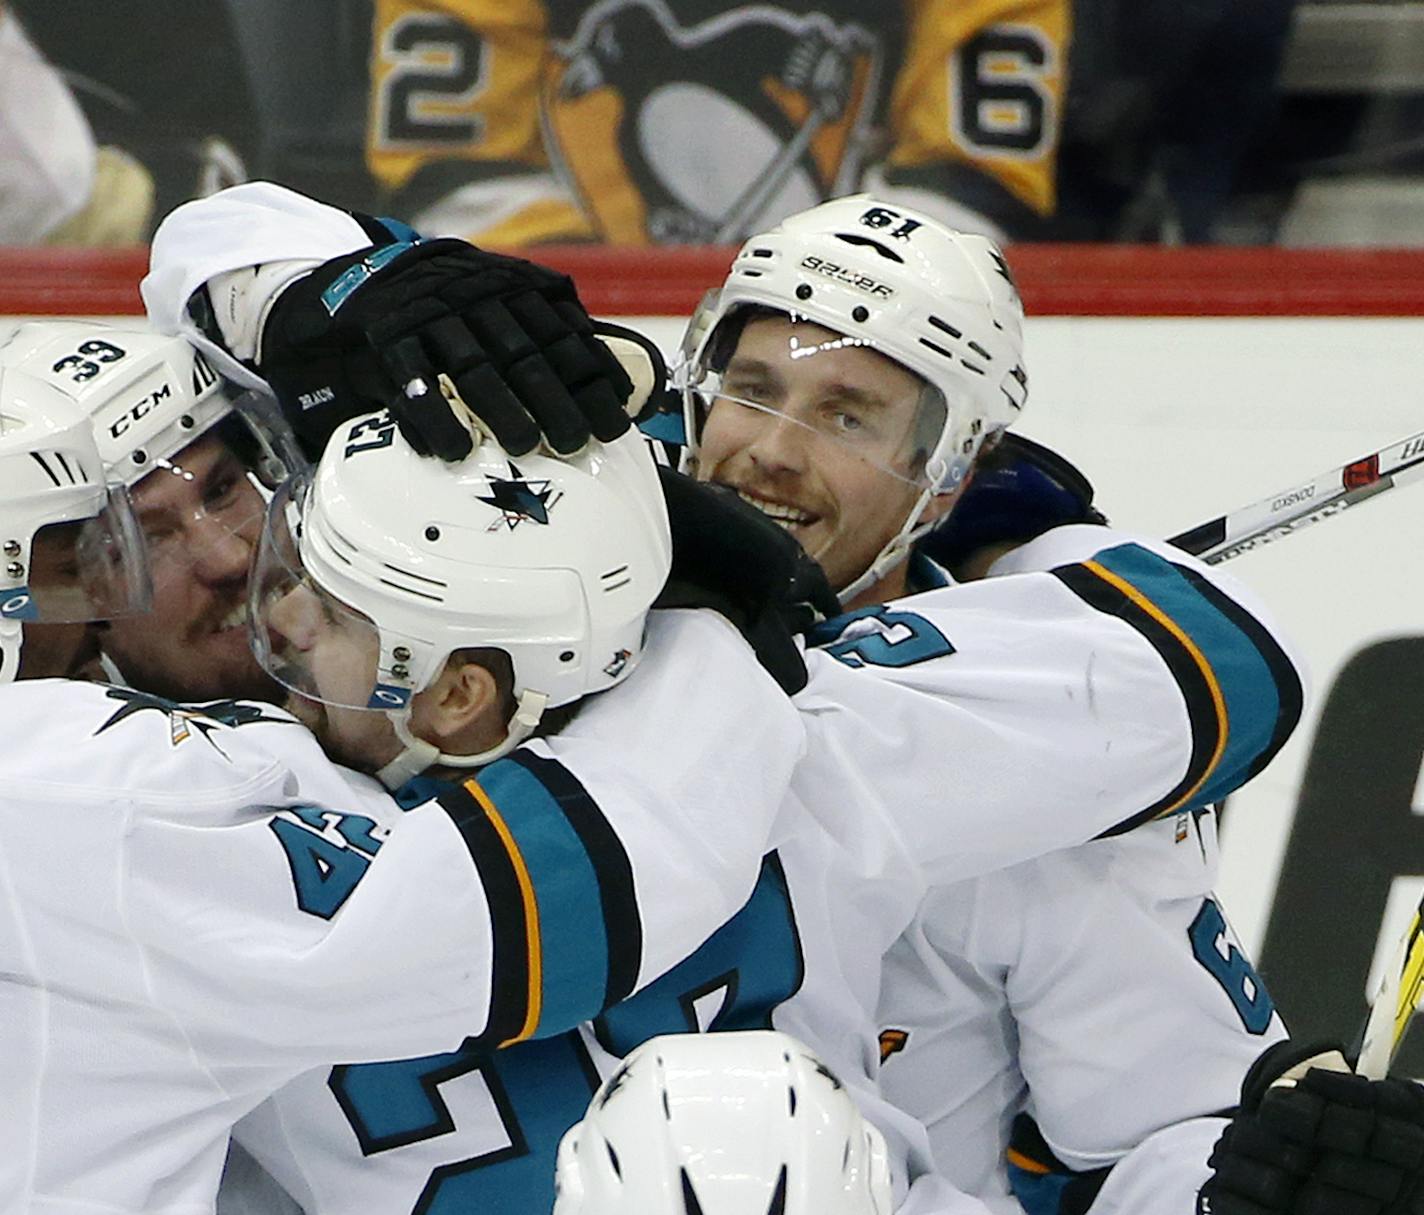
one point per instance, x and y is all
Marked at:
(436, 68)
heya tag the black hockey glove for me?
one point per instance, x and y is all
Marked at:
(1332, 1143)
(730, 557)
(1020, 490)
(376, 329)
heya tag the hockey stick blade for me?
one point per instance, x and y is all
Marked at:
(1300, 505)
(1395, 1003)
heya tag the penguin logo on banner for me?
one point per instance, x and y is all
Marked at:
(708, 132)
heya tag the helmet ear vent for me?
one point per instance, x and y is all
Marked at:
(864, 242)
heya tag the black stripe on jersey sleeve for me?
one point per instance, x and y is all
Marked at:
(1201, 707)
(1290, 693)
(617, 895)
(509, 926)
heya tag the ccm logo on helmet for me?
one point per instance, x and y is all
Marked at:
(851, 278)
(144, 406)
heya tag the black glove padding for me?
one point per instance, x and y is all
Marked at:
(730, 557)
(1332, 1143)
(376, 329)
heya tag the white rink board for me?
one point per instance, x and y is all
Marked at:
(1176, 421)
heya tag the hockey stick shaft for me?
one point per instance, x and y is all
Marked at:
(1308, 502)
(1396, 1001)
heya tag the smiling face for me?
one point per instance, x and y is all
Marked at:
(835, 454)
(200, 517)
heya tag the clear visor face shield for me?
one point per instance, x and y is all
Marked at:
(793, 382)
(309, 641)
(203, 507)
(85, 569)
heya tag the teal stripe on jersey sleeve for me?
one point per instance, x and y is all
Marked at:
(572, 934)
(1248, 684)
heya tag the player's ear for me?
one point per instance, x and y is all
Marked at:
(460, 712)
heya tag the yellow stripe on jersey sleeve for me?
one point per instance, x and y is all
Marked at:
(1213, 685)
(531, 913)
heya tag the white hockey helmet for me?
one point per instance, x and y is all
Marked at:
(747, 1123)
(941, 304)
(69, 548)
(555, 562)
(148, 396)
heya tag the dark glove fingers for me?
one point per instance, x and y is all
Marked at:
(1273, 1063)
(1257, 1182)
(610, 419)
(1379, 1181)
(395, 321)
(456, 351)
(602, 411)
(613, 369)
(419, 407)
(547, 398)
(543, 322)
(1250, 1140)
(1398, 1143)
(500, 332)
(1401, 1099)
(1317, 1199)
(491, 400)
(1292, 1114)
(572, 361)
(1344, 1129)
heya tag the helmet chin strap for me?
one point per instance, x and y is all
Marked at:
(419, 755)
(896, 550)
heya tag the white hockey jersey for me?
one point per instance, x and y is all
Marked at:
(1098, 988)
(1100, 991)
(973, 777)
(198, 906)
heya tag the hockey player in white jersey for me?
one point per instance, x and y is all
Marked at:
(1049, 987)
(1062, 629)
(204, 931)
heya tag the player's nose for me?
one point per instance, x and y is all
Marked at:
(779, 444)
(218, 553)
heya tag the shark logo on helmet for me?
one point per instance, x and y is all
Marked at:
(519, 499)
